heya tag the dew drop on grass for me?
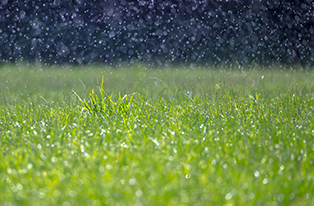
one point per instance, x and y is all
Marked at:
(132, 181)
(228, 196)
(124, 145)
(101, 169)
(155, 142)
(54, 159)
(139, 193)
(8, 180)
(82, 148)
(72, 193)
(213, 162)
(265, 181)
(23, 171)
(19, 186)
(109, 167)
(65, 163)
(9, 170)
(29, 166)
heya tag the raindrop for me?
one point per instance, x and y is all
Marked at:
(4, 2)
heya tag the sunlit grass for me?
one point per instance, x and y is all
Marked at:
(156, 136)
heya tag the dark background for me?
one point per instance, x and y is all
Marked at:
(159, 32)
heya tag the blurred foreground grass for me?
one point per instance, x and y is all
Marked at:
(55, 84)
(188, 136)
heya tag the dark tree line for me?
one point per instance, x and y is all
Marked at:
(212, 32)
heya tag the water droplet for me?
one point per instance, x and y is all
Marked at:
(19, 186)
(265, 181)
(29, 166)
(54, 159)
(139, 193)
(187, 176)
(228, 196)
(132, 181)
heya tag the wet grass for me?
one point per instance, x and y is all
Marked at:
(156, 136)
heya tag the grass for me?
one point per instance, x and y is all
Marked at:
(156, 136)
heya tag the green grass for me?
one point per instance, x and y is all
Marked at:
(156, 136)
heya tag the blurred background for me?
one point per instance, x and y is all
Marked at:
(157, 32)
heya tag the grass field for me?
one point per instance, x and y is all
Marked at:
(156, 136)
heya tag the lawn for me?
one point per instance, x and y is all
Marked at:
(135, 135)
